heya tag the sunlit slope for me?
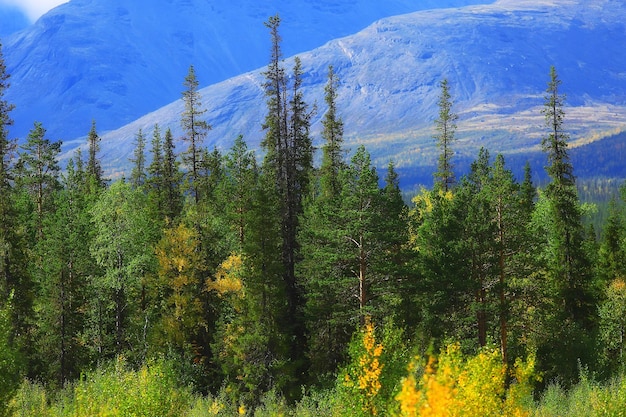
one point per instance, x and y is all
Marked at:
(496, 58)
(116, 60)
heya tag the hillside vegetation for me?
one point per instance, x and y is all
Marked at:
(210, 283)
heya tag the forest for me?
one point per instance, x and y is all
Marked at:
(218, 282)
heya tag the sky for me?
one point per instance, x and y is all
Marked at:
(33, 8)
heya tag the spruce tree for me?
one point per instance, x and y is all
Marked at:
(38, 171)
(569, 288)
(332, 133)
(94, 168)
(60, 303)
(7, 214)
(445, 126)
(138, 173)
(155, 172)
(195, 131)
(569, 267)
(288, 160)
(13, 258)
(171, 179)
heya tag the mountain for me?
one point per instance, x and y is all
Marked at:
(496, 57)
(115, 60)
(11, 20)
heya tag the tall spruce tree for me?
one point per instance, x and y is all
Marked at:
(195, 131)
(570, 266)
(445, 126)
(288, 160)
(332, 133)
(569, 287)
(328, 329)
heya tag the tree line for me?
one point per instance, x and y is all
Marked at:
(254, 274)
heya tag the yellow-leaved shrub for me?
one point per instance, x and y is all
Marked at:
(455, 385)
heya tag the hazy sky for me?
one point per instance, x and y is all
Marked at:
(34, 8)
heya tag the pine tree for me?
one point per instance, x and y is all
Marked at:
(195, 129)
(138, 174)
(445, 126)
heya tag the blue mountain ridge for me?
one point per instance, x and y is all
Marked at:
(12, 20)
(115, 60)
(496, 58)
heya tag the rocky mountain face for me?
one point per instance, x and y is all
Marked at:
(115, 60)
(496, 57)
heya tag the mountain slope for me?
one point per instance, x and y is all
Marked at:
(11, 20)
(116, 60)
(496, 58)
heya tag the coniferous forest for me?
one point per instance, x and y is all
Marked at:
(226, 282)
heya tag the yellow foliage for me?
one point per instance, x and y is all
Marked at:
(367, 376)
(227, 277)
(180, 264)
(457, 386)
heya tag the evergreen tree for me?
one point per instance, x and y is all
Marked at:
(210, 175)
(7, 219)
(445, 126)
(195, 130)
(332, 152)
(155, 172)
(171, 179)
(38, 171)
(611, 257)
(138, 174)
(569, 289)
(241, 178)
(528, 191)
(288, 160)
(62, 283)
(328, 329)
(13, 262)
(478, 241)
(569, 267)
(94, 168)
